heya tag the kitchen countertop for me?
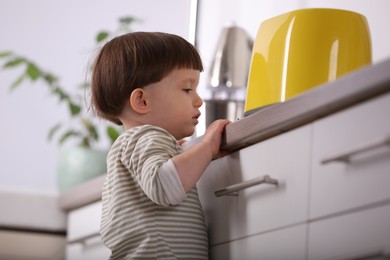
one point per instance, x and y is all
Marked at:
(31, 211)
(325, 99)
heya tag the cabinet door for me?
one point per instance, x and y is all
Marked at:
(27, 245)
(289, 243)
(360, 235)
(83, 234)
(264, 207)
(351, 158)
(89, 250)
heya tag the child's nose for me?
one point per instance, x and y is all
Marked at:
(198, 101)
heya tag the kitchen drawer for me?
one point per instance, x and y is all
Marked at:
(288, 243)
(29, 245)
(358, 180)
(84, 222)
(360, 235)
(92, 249)
(83, 238)
(264, 207)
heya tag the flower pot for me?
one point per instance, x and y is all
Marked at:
(79, 164)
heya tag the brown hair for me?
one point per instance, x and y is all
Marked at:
(135, 60)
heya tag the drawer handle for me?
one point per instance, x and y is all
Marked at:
(83, 240)
(346, 155)
(234, 189)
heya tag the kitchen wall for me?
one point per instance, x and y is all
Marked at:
(59, 36)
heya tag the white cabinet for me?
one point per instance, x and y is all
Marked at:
(28, 245)
(276, 245)
(333, 197)
(264, 207)
(83, 234)
(357, 142)
(360, 235)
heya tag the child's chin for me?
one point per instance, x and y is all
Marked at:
(189, 133)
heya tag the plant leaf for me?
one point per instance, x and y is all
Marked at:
(17, 82)
(112, 133)
(74, 109)
(60, 93)
(14, 62)
(53, 130)
(101, 36)
(5, 54)
(126, 20)
(67, 135)
(32, 71)
(50, 78)
(85, 142)
(91, 129)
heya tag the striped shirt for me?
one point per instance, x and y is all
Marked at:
(142, 217)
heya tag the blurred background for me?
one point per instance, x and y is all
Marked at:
(59, 35)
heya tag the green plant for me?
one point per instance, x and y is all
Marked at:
(81, 125)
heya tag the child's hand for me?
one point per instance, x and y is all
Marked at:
(181, 141)
(213, 135)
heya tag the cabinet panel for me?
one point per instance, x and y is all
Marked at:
(84, 221)
(289, 243)
(92, 249)
(24, 245)
(83, 234)
(358, 140)
(263, 207)
(361, 235)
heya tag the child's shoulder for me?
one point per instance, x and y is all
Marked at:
(146, 137)
(145, 132)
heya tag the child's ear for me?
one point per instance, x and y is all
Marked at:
(138, 101)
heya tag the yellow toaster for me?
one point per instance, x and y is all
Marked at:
(299, 50)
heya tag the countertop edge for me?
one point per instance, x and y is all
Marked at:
(355, 87)
(31, 212)
(83, 194)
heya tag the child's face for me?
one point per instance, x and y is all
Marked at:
(175, 103)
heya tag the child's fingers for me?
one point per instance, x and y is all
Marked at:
(181, 141)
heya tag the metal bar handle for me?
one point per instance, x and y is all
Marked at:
(234, 189)
(83, 239)
(345, 156)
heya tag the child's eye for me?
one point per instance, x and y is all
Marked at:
(187, 90)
